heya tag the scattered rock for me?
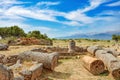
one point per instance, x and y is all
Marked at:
(3, 46)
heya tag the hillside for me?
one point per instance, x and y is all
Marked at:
(101, 36)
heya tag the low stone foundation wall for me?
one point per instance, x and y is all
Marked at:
(10, 60)
(33, 73)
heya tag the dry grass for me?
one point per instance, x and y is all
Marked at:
(18, 49)
(72, 69)
(68, 69)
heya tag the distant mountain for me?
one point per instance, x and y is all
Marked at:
(101, 36)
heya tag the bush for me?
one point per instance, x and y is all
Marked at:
(14, 31)
(37, 35)
(17, 32)
(95, 40)
(108, 40)
(116, 37)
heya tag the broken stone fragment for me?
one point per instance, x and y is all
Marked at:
(26, 74)
(5, 73)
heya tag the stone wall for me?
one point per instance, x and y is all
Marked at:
(5, 73)
(11, 59)
(33, 72)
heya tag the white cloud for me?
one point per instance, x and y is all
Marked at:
(35, 14)
(105, 27)
(110, 12)
(51, 32)
(114, 4)
(78, 16)
(9, 3)
(42, 29)
(93, 4)
(71, 23)
(47, 3)
(10, 22)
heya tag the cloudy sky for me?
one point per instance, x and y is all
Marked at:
(61, 17)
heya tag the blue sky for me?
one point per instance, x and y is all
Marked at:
(60, 18)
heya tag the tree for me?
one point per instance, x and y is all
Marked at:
(45, 36)
(14, 31)
(4, 32)
(116, 37)
(37, 34)
(34, 33)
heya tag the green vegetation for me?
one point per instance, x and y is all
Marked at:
(116, 37)
(37, 35)
(15, 31)
(5, 40)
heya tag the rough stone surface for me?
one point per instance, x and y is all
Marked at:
(36, 71)
(85, 48)
(93, 49)
(48, 60)
(32, 73)
(1, 58)
(112, 51)
(26, 74)
(17, 65)
(71, 46)
(3, 47)
(12, 59)
(5, 73)
(18, 78)
(78, 49)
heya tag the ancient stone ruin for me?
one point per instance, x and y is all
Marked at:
(71, 46)
(30, 41)
(27, 65)
(6, 73)
(109, 57)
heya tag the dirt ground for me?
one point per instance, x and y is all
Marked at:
(18, 49)
(67, 69)
(72, 69)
